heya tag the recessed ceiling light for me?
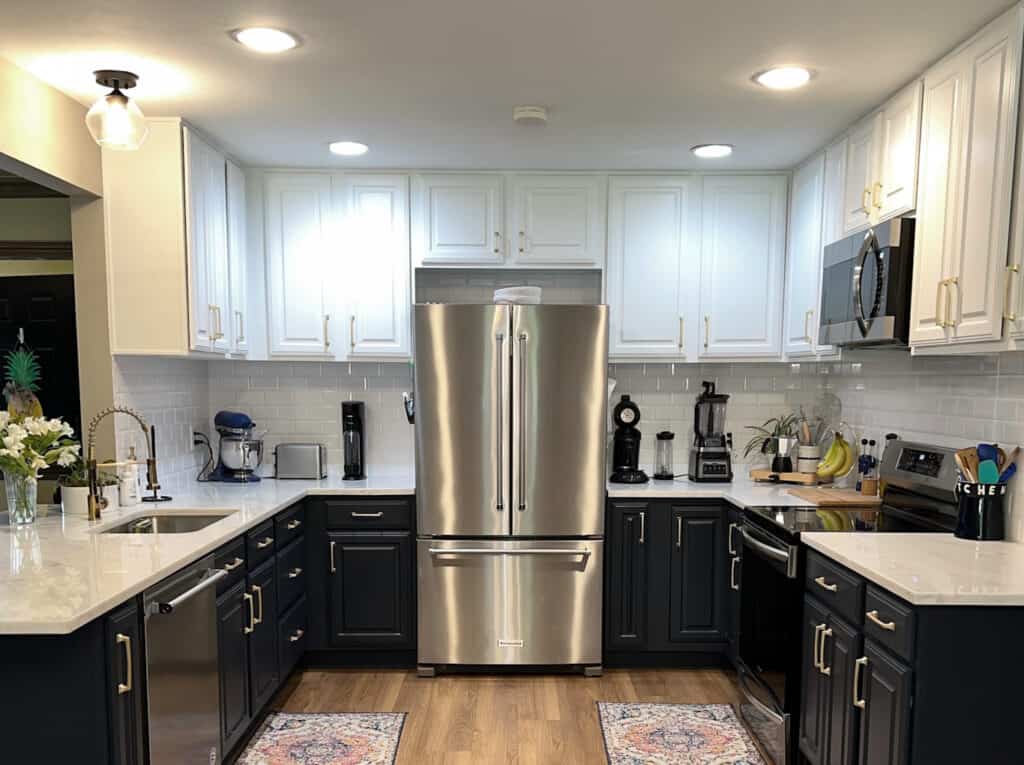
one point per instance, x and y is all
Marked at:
(712, 150)
(265, 39)
(348, 148)
(783, 77)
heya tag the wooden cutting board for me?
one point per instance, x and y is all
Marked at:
(834, 497)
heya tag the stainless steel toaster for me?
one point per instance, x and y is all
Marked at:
(300, 461)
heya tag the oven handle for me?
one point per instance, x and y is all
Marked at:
(786, 556)
(760, 705)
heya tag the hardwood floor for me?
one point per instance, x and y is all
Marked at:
(535, 719)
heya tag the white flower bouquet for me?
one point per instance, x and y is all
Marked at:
(28, 445)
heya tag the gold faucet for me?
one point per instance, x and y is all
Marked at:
(97, 502)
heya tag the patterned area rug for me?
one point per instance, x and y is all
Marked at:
(675, 734)
(338, 739)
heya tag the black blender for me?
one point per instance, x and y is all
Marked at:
(626, 444)
(710, 460)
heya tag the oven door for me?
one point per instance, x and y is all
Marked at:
(769, 646)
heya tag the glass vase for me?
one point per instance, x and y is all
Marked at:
(21, 498)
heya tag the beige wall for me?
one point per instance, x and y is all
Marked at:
(45, 220)
(35, 267)
(44, 130)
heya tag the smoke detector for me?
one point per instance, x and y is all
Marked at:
(530, 115)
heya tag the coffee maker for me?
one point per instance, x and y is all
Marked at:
(710, 461)
(626, 444)
(353, 441)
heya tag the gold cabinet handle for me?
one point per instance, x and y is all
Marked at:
(707, 331)
(732, 575)
(1007, 313)
(940, 320)
(259, 597)
(873, 616)
(233, 564)
(327, 334)
(728, 540)
(820, 581)
(522, 241)
(827, 633)
(295, 573)
(876, 196)
(293, 524)
(807, 321)
(333, 569)
(252, 614)
(682, 333)
(818, 629)
(679, 532)
(950, 283)
(297, 636)
(378, 514)
(497, 243)
(865, 201)
(352, 331)
(241, 326)
(264, 543)
(643, 523)
(858, 667)
(126, 686)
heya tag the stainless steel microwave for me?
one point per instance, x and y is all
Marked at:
(865, 287)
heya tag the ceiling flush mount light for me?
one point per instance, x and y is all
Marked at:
(348, 148)
(712, 150)
(115, 121)
(783, 77)
(265, 39)
(530, 115)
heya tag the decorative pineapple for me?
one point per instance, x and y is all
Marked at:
(23, 373)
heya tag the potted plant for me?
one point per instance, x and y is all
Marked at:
(28, 445)
(74, 490)
(766, 436)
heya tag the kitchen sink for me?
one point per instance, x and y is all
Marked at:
(167, 523)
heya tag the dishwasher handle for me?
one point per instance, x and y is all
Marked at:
(211, 578)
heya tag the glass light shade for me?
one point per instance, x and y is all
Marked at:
(115, 122)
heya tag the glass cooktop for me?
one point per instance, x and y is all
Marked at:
(798, 519)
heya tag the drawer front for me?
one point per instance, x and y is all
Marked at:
(292, 639)
(230, 558)
(289, 524)
(889, 622)
(291, 573)
(259, 544)
(369, 514)
(839, 589)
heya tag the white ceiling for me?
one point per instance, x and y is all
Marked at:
(630, 84)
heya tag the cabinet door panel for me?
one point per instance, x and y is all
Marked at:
(626, 583)
(696, 580)
(840, 649)
(835, 180)
(885, 719)
(803, 269)
(813, 687)
(375, 241)
(742, 265)
(298, 231)
(557, 219)
(218, 255)
(650, 222)
(457, 220)
(371, 590)
(264, 674)
(861, 163)
(237, 322)
(199, 237)
(233, 617)
(900, 137)
(125, 675)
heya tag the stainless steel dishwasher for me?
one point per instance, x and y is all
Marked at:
(181, 667)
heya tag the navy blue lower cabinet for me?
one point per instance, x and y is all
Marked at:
(626, 545)
(264, 673)
(697, 596)
(126, 669)
(234, 618)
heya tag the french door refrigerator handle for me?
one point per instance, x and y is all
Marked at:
(523, 338)
(500, 340)
(583, 551)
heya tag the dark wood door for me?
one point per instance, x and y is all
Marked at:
(125, 672)
(813, 686)
(235, 615)
(884, 721)
(263, 669)
(372, 589)
(841, 645)
(696, 606)
(626, 545)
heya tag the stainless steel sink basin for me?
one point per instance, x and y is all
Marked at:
(166, 523)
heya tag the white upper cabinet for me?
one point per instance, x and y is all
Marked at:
(881, 162)
(742, 263)
(835, 178)
(237, 257)
(457, 220)
(556, 220)
(653, 262)
(206, 224)
(374, 240)
(964, 191)
(803, 269)
(302, 258)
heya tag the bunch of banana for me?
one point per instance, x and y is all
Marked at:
(838, 459)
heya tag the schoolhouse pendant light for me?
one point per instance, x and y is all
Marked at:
(115, 121)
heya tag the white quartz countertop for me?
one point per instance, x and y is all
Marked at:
(59, 573)
(931, 569)
(741, 492)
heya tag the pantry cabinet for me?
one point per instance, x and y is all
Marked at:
(374, 244)
(458, 220)
(967, 163)
(302, 262)
(742, 265)
(803, 267)
(556, 220)
(653, 222)
(237, 259)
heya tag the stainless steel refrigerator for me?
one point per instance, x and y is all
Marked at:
(510, 483)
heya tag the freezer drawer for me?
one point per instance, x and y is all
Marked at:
(510, 602)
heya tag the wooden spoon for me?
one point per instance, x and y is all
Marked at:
(967, 461)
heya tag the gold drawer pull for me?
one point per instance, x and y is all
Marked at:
(827, 671)
(873, 616)
(732, 575)
(858, 666)
(264, 543)
(233, 564)
(252, 614)
(297, 636)
(126, 686)
(292, 525)
(295, 573)
(378, 514)
(818, 630)
(820, 581)
(259, 597)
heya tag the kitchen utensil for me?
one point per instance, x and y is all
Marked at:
(987, 452)
(965, 469)
(988, 472)
(969, 466)
(833, 497)
(663, 470)
(1001, 459)
(1008, 473)
(805, 434)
